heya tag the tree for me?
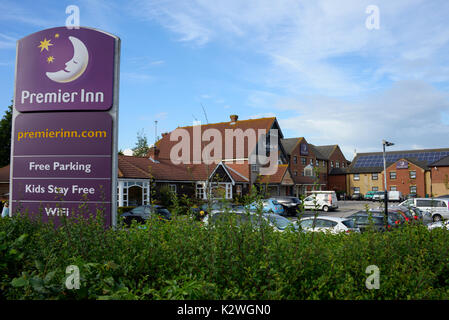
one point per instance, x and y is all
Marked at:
(5, 137)
(141, 149)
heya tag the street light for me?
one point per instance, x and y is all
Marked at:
(386, 144)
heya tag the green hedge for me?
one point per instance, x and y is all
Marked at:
(182, 259)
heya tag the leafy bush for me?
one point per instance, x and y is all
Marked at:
(182, 259)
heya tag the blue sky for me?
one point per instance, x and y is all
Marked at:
(312, 64)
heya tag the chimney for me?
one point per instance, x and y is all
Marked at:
(234, 118)
(153, 153)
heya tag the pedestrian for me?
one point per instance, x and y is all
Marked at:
(5, 211)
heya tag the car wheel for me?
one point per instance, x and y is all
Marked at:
(325, 208)
(436, 218)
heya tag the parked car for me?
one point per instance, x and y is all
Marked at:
(378, 196)
(328, 224)
(277, 222)
(357, 196)
(437, 207)
(375, 218)
(395, 196)
(369, 195)
(143, 213)
(321, 200)
(414, 213)
(439, 224)
(218, 205)
(411, 196)
(270, 205)
(446, 196)
(290, 204)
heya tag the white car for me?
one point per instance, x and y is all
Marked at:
(277, 222)
(439, 224)
(438, 207)
(321, 200)
(328, 224)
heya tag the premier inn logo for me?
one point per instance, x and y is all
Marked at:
(62, 69)
(71, 69)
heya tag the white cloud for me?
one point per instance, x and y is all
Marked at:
(409, 114)
(342, 82)
(128, 152)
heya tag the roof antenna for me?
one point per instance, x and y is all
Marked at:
(205, 114)
(155, 132)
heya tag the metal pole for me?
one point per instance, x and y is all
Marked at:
(385, 184)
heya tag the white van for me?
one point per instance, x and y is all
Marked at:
(438, 208)
(321, 200)
(395, 196)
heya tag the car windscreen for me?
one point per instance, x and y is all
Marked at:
(395, 216)
(349, 223)
(280, 222)
(365, 219)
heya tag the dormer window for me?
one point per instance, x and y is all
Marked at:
(308, 171)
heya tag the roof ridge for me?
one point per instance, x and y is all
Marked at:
(210, 124)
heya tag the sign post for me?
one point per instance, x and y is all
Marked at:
(65, 124)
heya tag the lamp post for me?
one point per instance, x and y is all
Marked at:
(385, 144)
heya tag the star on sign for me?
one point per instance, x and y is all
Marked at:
(50, 59)
(45, 44)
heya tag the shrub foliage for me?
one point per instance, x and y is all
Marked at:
(182, 259)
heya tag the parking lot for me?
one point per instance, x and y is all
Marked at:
(345, 208)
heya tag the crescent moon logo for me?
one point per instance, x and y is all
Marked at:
(75, 67)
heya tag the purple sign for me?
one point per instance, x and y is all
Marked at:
(402, 164)
(61, 69)
(303, 149)
(64, 144)
(62, 133)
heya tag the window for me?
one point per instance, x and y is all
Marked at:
(337, 164)
(342, 164)
(308, 171)
(374, 176)
(412, 174)
(356, 176)
(393, 188)
(199, 191)
(295, 159)
(303, 161)
(375, 189)
(332, 164)
(311, 161)
(412, 189)
(296, 173)
(254, 168)
(317, 162)
(392, 175)
(321, 223)
(172, 188)
(324, 163)
(356, 190)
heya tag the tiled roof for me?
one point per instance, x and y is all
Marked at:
(290, 144)
(444, 162)
(165, 170)
(324, 152)
(275, 178)
(165, 145)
